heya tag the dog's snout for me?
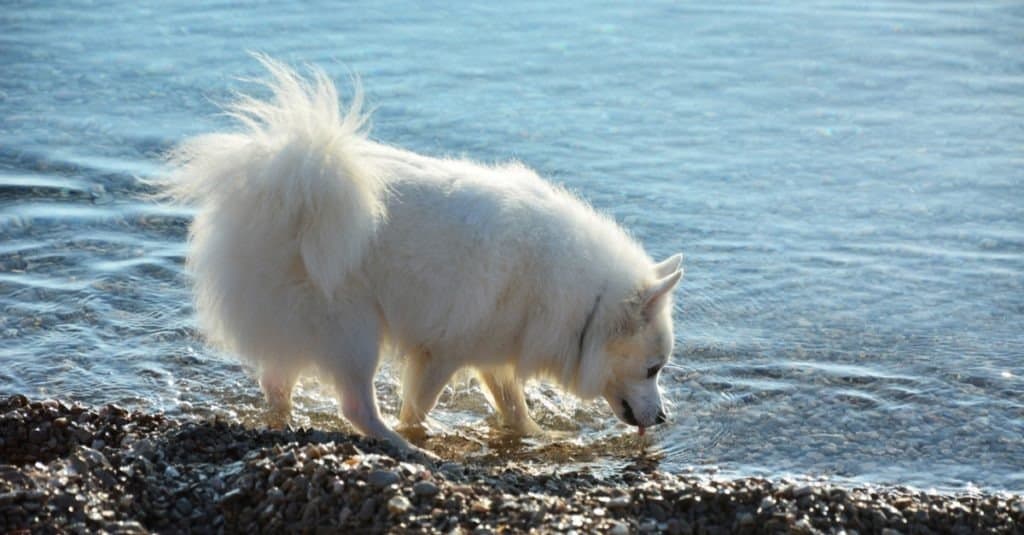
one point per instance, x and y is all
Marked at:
(661, 417)
(627, 414)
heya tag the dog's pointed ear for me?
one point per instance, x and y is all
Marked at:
(654, 296)
(668, 266)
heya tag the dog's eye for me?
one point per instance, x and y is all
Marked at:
(653, 370)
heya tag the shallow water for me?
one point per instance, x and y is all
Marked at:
(846, 183)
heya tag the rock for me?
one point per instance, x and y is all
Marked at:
(37, 435)
(399, 505)
(275, 496)
(619, 502)
(803, 527)
(618, 528)
(382, 478)
(425, 489)
(92, 457)
(183, 506)
(230, 497)
(481, 506)
(367, 510)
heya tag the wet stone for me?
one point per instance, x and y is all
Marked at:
(183, 506)
(619, 502)
(618, 528)
(382, 478)
(425, 489)
(399, 505)
(37, 435)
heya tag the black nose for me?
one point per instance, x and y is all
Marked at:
(661, 417)
(627, 414)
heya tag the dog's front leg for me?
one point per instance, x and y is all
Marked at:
(277, 383)
(508, 398)
(423, 380)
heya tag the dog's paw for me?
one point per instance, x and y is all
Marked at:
(415, 454)
(414, 432)
(277, 420)
(524, 428)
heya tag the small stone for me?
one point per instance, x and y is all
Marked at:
(800, 492)
(287, 459)
(425, 489)
(367, 510)
(93, 457)
(37, 435)
(183, 506)
(618, 528)
(172, 472)
(399, 505)
(230, 496)
(803, 526)
(619, 502)
(382, 478)
(275, 495)
(482, 505)
(451, 469)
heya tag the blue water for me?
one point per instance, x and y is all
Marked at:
(846, 180)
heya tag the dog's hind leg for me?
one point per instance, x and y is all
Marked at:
(277, 383)
(508, 398)
(422, 382)
(354, 352)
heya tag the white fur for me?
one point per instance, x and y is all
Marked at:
(314, 245)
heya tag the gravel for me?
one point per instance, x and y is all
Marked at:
(68, 468)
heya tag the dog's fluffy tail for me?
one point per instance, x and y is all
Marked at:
(293, 171)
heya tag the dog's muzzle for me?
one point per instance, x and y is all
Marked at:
(630, 418)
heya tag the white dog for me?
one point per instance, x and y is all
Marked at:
(315, 246)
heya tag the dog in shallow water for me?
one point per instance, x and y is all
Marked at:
(315, 246)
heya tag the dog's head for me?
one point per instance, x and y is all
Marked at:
(637, 344)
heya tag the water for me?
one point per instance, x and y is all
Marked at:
(845, 180)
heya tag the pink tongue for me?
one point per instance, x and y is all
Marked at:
(640, 429)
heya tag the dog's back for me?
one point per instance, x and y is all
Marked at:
(489, 262)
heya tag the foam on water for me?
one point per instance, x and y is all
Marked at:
(845, 180)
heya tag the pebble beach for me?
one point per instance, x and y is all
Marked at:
(67, 468)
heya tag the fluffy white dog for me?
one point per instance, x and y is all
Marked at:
(315, 246)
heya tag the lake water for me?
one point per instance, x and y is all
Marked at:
(846, 181)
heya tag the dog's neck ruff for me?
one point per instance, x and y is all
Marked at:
(586, 326)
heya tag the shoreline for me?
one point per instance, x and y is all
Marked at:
(87, 469)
